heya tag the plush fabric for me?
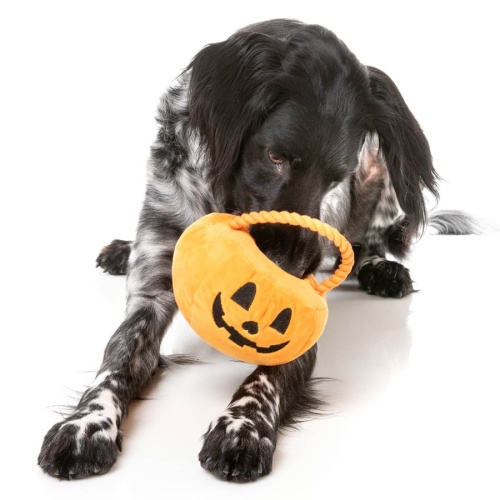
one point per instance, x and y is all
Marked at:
(239, 301)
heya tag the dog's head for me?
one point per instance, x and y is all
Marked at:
(283, 110)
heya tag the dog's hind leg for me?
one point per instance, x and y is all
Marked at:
(378, 275)
(113, 258)
(377, 226)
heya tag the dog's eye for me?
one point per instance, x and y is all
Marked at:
(276, 159)
(280, 164)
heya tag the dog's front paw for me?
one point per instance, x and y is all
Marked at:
(385, 278)
(77, 448)
(235, 449)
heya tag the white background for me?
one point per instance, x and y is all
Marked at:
(416, 412)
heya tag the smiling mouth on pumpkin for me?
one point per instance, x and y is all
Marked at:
(234, 335)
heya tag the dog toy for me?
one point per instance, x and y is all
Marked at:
(242, 303)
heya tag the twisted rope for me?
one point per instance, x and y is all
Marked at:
(347, 255)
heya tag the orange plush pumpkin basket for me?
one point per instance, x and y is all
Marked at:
(242, 303)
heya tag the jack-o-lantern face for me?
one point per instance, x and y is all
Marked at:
(244, 298)
(238, 300)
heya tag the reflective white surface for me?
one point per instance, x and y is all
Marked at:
(412, 385)
(412, 395)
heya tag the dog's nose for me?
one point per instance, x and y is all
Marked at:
(251, 327)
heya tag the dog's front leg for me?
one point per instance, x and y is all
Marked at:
(240, 443)
(88, 441)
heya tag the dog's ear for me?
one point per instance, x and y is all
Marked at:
(405, 148)
(231, 92)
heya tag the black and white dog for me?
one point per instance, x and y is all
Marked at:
(281, 116)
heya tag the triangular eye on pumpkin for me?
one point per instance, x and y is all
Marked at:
(244, 295)
(280, 324)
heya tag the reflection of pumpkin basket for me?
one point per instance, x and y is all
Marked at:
(216, 262)
(294, 219)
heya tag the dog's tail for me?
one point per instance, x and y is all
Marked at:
(455, 222)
